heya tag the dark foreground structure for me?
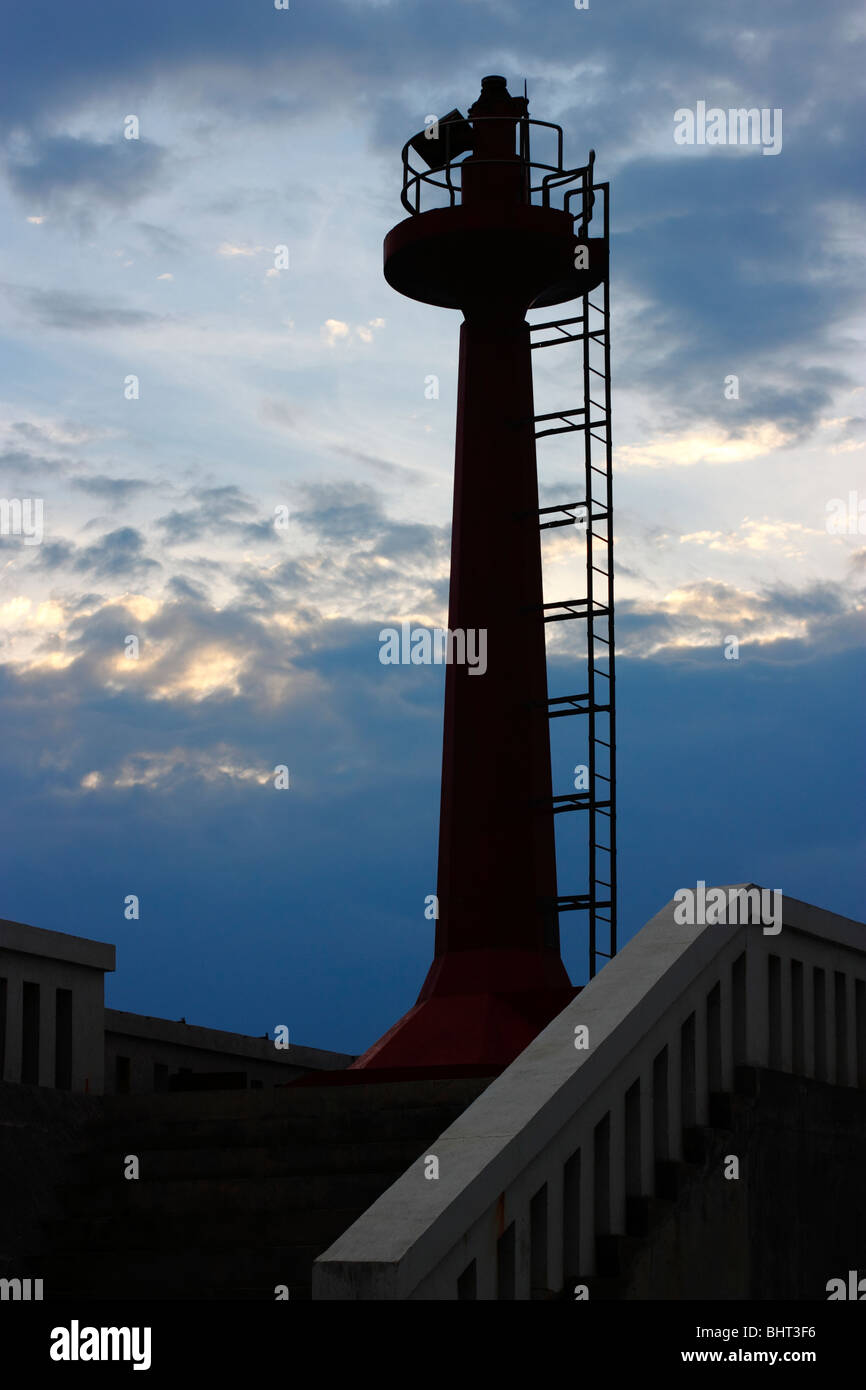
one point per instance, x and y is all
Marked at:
(691, 1126)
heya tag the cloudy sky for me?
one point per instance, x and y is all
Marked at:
(262, 388)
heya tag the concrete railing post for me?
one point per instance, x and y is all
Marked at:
(647, 1131)
(787, 1040)
(757, 1005)
(555, 1227)
(675, 1096)
(851, 1027)
(702, 1071)
(587, 1205)
(617, 1165)
(808, 1022)
(726, 1023)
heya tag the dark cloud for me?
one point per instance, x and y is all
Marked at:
(217, 511)
(182, 587)
(289, 578)
(63, 169)
(67, 434)
(162, 241)
(53, 555)
(355, 534)
(66, 309)
(114, 489)
(341, 512)
(379, 465)
(21, 464)
(826, 608)
(119, 554)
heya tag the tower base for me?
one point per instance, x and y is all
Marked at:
(477, 1009)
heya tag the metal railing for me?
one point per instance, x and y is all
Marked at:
(448, 177)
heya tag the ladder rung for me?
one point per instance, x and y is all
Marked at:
(557, 342)
(560, 414)
(557, 323)
(563, 429)
(599, 611)
(567, 803)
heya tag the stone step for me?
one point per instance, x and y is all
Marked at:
(725, 1109)
(614, 1253)
(700, 1145)
(673, 1177)
(642, 1214)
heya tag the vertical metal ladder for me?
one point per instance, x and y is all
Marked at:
(593, 513)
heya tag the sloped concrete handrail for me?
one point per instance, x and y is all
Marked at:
(535, 1169)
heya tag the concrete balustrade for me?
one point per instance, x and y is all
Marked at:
(542, 1163)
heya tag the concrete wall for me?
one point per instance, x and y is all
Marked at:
(41, 1134)
(147, 1043)
(54, 961)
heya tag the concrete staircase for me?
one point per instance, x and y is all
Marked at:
(783, 1129)
(238, 1191)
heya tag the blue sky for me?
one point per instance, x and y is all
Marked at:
(303, 388)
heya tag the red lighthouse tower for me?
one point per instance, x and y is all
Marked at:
(495, 247)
